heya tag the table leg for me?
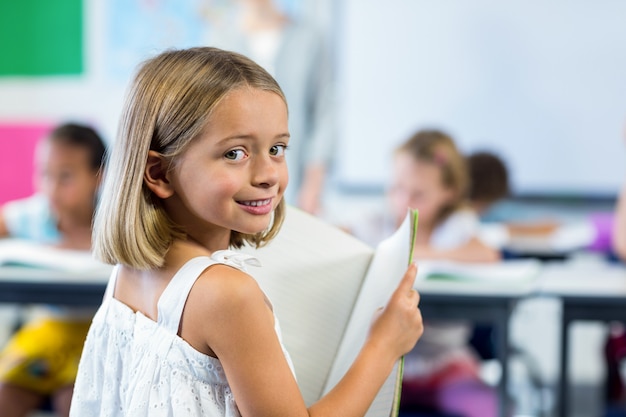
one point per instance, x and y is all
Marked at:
(563, 384)
(503, 351)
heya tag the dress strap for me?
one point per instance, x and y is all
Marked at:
(110, 288)
(174, 297)
(172, 301)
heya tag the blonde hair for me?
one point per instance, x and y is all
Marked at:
(438, 148)
(167, 107)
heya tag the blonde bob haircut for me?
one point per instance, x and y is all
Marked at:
(167, 107)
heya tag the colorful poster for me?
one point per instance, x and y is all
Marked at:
(41, 37)
(17, 142)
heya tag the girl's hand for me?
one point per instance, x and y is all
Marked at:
(398, 325)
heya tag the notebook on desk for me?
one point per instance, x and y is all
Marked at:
(25, 253)
(503, 273)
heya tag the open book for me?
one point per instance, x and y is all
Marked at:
(25, 253)
(325, 286)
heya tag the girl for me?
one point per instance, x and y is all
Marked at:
(40, 361)
(198, 167)
(429, 173)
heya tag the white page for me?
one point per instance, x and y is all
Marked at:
(312, 272)
(385, 273)
(20, 252)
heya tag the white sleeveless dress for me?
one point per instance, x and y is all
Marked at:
(133, 366)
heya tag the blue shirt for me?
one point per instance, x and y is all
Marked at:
(30, 218)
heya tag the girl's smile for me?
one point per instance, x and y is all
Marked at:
(257, 206)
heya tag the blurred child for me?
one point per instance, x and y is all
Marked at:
(489, 185)
(430, 174)
(489, 180)
(41, 359)
(198, 168)
(442, 372)
(615, 345)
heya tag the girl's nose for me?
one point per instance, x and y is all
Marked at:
(266, 172)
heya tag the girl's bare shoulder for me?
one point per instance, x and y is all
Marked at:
(224, 287)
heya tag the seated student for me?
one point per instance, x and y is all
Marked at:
(41, 359)
(430, 174)
(489, 180)
(489, 185)
(615, 345)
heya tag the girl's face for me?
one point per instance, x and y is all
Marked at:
(65, 177)
(234, 175)
(417, 184)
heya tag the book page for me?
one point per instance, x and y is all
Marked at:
(387, 269)
(312, 272)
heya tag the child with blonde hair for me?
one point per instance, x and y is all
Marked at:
(430, 174)
(199, 169)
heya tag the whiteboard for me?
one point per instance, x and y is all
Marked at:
(542, 83)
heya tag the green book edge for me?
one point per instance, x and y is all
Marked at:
(395, 408)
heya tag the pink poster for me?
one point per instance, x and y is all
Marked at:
(17, 146)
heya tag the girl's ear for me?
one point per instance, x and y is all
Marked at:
(155, 175)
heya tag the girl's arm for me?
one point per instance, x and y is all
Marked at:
(4, 231)
(619, 226)
(238, 327)
(474, 250)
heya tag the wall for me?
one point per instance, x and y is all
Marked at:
(539, 82)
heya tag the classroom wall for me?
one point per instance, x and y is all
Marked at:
(541, 83)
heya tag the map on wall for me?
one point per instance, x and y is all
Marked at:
(139, 29)
(40, 37)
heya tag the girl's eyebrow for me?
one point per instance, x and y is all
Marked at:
(285, 135)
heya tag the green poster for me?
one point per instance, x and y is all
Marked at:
(41, 37)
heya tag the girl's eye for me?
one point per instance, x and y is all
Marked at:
(278, 150)
(235, 154)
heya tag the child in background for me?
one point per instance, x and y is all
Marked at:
(429, 173)
(442, 372)
(615, 345)
(41, 359)
(489, 181)
(489, 185)
(199, 167)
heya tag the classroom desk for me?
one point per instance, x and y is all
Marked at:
(477, 302)
(40, 286)
(589, 291)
